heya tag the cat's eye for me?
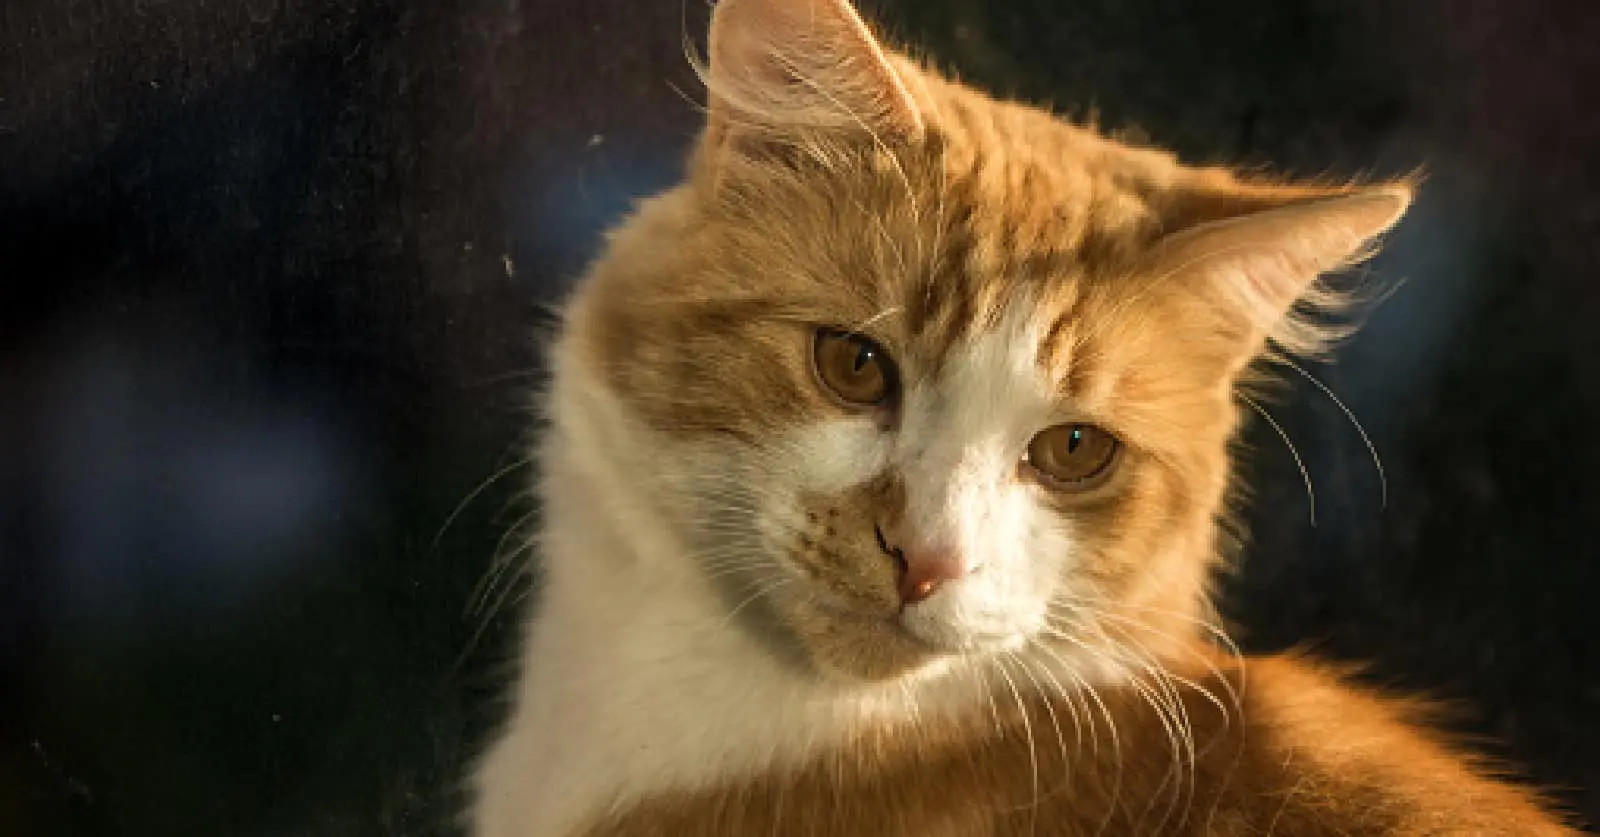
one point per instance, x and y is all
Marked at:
(855, 369)
(1073, 457)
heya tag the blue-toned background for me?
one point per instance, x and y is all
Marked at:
(271, 276)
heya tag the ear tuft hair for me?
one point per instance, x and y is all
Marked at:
(1262, 255)
(782, 68)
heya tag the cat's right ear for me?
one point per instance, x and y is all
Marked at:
(784, 69)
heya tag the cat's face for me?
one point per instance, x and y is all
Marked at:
(961, 496)
(897, 453)
(955, 383)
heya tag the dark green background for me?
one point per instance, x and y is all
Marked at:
(270, 277)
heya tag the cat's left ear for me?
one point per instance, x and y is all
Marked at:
(1249, 254)
(780, 68)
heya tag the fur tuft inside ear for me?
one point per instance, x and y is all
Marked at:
(1260, 270)
(778, 67)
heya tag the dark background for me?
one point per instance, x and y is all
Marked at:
(271, 276)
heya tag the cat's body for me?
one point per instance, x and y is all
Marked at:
(883, 482)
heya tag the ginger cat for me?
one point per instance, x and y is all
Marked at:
(883, 484)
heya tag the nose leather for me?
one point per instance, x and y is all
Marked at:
(924, 571)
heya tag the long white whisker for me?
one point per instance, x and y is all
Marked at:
(473, 495)
(1235, 696)
(1181, 730)
(1311, 494)
(1372, 449)
(1033, 755)
(1072, 707)
(1103, 610)
(768, 589)
(1111, 724)
(500, 564)
(1050, 710)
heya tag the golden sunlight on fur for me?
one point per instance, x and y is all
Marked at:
(887, 473)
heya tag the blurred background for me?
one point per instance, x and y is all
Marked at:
(271, 287)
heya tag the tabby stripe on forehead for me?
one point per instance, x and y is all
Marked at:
(940, 309)
(1055, 353)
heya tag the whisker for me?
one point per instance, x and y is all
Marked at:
(1180, 731)
(1164, 698)
(1372, 449)
(1072, 707)
(1055, 724)
(767, 590)
(473, 495)
(1234, 697)
(994, 708)
(1091, 693)
(1170, 725)
(1033, 755)
(1311, 495)
(500, 564)
(502, 602)
(1102, 607)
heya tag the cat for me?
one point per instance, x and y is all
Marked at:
(884, 482)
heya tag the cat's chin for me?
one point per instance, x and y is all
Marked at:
(860, 647)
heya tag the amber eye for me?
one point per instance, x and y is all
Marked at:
(1073, 457)
(856, 370)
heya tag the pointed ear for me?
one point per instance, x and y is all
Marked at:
(1251, 253)
(784, 66)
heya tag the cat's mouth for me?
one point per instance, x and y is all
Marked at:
(905, 626)
(868, 633)
(858, 645)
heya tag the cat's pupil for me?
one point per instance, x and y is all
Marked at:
(1075, 440)
(864, 355)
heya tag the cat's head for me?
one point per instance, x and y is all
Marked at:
(914, 373)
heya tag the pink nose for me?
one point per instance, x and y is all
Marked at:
(926, 571)
(923, 570)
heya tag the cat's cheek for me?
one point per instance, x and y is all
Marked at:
(1052, 555)
(834, 455)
